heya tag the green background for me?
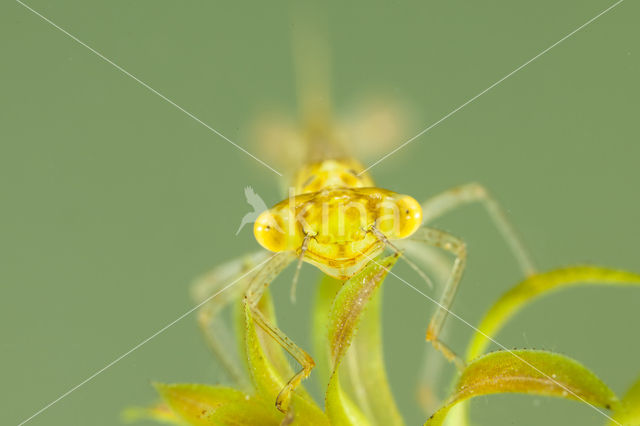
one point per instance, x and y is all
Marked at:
(112, 200)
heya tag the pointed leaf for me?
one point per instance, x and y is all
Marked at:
(276, 356)
(364, 370)
(195, 404)
(269, 383)
(346, 314)
(537, 285)
(249, 412)
(266, 379)
(327, 289)
(159, 412)
(530, 372)
(350, 303)
(628, 413)
(340, 409)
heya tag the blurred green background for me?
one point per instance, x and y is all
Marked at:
(112, 200)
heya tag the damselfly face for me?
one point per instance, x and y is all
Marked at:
(339, 227)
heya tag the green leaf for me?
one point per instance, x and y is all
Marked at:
(195, 404)
(250, 412)
(364, 370)
(327, 289)
(340, 409)
(628, 413)
(369, 387)
(159, 412)
(535, 286)
(217, 406)
(269, 383)
(275, 355)
(529, 372)
(266, 379)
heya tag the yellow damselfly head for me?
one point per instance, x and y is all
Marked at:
(338, 229)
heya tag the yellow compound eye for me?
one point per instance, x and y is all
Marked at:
(399, 216)
(410, 217)
(269, 232)
(272, 232)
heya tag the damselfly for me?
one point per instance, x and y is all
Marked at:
(336, 218)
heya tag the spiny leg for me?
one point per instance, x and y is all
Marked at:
(252, 297)
(218, 337)
(472, 192)
(457, 247)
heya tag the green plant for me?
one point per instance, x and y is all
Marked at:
(348, 352)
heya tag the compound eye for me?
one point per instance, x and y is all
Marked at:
(269, 232)
(410, 216)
